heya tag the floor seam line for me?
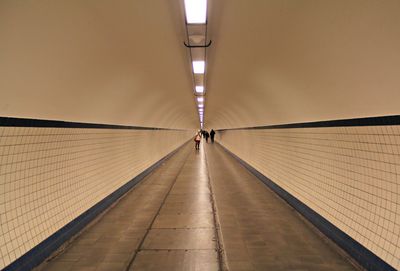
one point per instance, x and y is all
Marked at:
(156, 215)
(222, 264)
(174, 249)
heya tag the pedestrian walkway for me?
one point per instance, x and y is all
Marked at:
(259, 230)
(170, 222)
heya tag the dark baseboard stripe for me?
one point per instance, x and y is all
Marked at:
(40, 123)
(42, 251)
(361, 254)
(369, 121)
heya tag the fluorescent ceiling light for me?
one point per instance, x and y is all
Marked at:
(196, 11)
(201, 105)
(200, 99)
(198, 66)
(199, 89)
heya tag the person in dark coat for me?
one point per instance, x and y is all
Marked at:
(207, 135)
(212, 134)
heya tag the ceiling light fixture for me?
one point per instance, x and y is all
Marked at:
(199, 89)
(198, 67)
(197, 43)
(196, 11)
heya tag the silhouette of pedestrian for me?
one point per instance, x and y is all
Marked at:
(212, 134)
(207, 135)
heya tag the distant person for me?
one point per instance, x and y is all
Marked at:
(207, 135)
(197, 139)
(212, 135)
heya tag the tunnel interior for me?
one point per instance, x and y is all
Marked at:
(94, 95)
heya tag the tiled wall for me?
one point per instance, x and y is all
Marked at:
(49, 176)
(349, 175)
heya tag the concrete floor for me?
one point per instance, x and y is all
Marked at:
(168, 222)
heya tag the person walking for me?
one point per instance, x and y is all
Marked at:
(212, 134)
(207, 135)
(197, 139)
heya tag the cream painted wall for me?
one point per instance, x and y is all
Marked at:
(115, 62)
(275, 61)
(287, 61)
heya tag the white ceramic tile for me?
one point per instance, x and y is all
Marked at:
(350, 175)
(49, 176)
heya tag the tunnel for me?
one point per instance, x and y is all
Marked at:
(101, 103)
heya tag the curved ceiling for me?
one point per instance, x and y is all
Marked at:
(271, 61)
(286, 61)
(117, 62)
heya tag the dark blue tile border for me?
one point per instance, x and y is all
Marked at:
(369, 121)
(40, 123)
(42, 251)
(361, 254)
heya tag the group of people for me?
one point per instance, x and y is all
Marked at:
(206, 135)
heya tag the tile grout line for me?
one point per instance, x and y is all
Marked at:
(323, 237)
(156, 215)
(222, 262)
(64, 247)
